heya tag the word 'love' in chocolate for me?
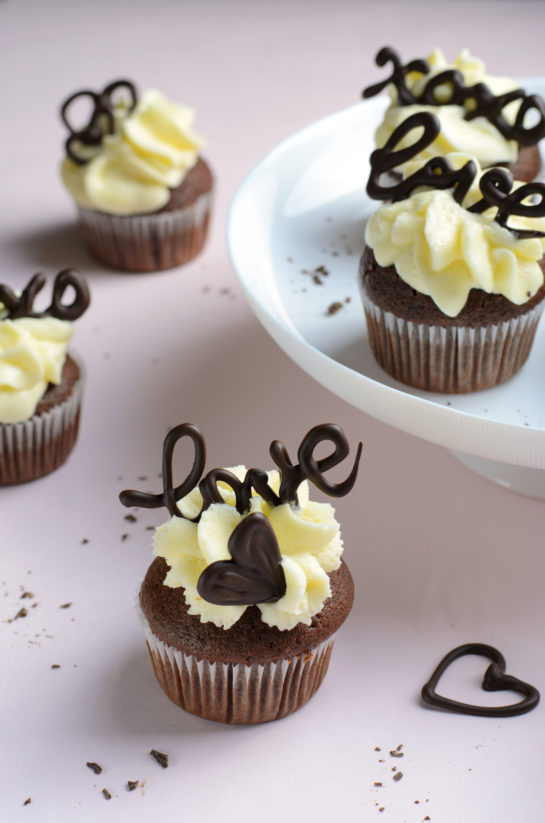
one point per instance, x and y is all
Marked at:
(253, 575)
(291, 476)
(482, 102)
(101, 121)
(496, 185)
(494, 680)
(23, 305)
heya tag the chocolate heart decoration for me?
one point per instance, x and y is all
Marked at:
(494, 680)
(253, 575)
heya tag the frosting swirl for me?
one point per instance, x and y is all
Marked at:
(477, 137)
(32, 355)
(308, 537)
(443, 250)
(152, 148)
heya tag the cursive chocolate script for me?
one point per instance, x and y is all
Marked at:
(480, 100)
(291, 476)
(496, 185)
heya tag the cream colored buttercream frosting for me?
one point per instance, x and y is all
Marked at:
(150, 152)
(308, 537)
(477, 137)
(443, 250)
(32, 355)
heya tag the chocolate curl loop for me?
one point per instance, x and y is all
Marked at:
(23, 305)
(533, 134)
(208, 487)
(452, 78)
(397, 77)
(496, 188)
(101, 121)
(171, 494)
(311, 469)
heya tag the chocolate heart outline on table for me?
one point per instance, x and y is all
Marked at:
(495, 679)
(253, 575)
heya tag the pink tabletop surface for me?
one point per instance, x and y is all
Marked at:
(439, 556)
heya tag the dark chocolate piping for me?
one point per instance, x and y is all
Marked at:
(494, 679)
(253, 575)
(23, 305)
(101, 121)
(438, 173)
(486, 104)
(291, 476)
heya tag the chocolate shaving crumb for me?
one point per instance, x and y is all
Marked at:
(21, 613)
(161, 758)
(27, 801)
(377, 783)
(378, 749)
(132, 785)
(94, 767)
(333, 308)
(381, 808)
(322, 270)
(84, 541)
(397, 776)
(427, 817)
(130, 518)
(150, 528)
(396, 753)
(106, 794)
(55, 666)
(124, 537)
(26, 594)
(142, 477)
(65, 606)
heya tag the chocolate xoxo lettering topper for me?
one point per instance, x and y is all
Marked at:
(254, 574)
(22, 305)
(527, 129)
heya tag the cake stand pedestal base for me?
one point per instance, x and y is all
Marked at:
(530, 482)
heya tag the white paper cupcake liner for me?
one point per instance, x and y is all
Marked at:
(147, 242)
(450, 359)
(234, 692)
(37, 446)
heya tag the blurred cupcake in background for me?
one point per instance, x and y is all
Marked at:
(142, 191)
(41, 382)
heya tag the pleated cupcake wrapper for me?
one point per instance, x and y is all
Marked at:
(37, 446)
(144, 242)
(450, 359)
(235, 692)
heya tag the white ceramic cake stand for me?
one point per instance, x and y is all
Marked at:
(295, 234)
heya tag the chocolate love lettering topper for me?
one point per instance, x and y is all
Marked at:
(496, 184)
(101, 120)
(255, 569)
(482, 102)
(22, 305)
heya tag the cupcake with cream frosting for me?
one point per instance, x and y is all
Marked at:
(41, 381)
(452, 275)
(488, 117)
(241, 605)
(142, 190)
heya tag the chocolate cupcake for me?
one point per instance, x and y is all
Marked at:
(480, 114)
(241, 606)
(41, 384)
(142, 191)
(452, 276)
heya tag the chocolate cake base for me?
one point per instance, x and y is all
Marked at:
(38, 446)
(162, 239)
(250, 673)
(412, 340)
(527, 165)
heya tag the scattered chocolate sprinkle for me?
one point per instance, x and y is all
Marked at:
(377, 783)
(130, 518)
(65, 606)
(150, 528)
(322, 270)
(27, 801)
(26, 594)
(142, 477)
(106, 794)
(396, 753)
(132, 785)
(94, 767)
(381, 808)
(333, 308)
(427, 817)
(289, 259)
(124, 537)
(316, 279)
(378, 749)
(347, 299)
(161, 758)
(84, 541)
(55, 666)
(21, 613)
(397, 776)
